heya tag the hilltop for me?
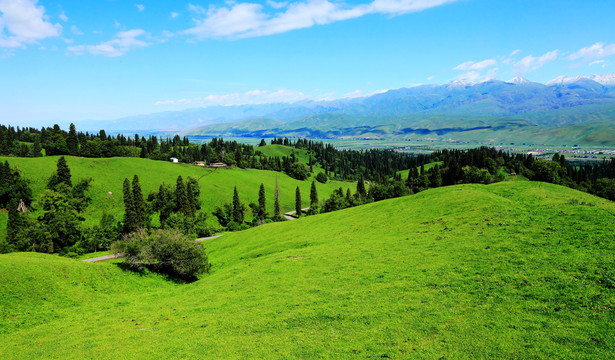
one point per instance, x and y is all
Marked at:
(510, 270)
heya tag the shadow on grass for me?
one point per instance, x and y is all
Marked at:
(147, 270)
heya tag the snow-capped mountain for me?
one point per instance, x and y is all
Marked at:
(519, 80)
(606, 79)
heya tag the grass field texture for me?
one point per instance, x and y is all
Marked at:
(513, 270)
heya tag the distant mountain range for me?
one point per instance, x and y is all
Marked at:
(579, 109)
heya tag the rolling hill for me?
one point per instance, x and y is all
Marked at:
(216, 184)
(511, 270)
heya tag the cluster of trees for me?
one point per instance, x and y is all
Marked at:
(177, 208)
(57, 228)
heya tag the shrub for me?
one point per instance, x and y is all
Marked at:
(322, 177)
(299, 171)
(166, 251)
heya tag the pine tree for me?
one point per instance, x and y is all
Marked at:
(361, 187)
(193, 192)
(72, 141)
(262, 203)
(237, 208)
(138, 204)
(181, 200)
(298, 201)
(313, 196)
(61, 176)
(276, 205)
(129, 211)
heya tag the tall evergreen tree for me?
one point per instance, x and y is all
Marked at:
(138, 204)
(61, 176)
(193, 192)
(298, 201)
(72, 141)
(129, 208)
(276, 204)
(181, 200)
(238, 208)
(361, 187)
(313, 196)
(262, 203)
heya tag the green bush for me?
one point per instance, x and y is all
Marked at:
(322, 177)
(166, 251)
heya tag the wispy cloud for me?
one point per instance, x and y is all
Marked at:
(532, 63)
(75, 30)
(174, 15)
(471, 65)
(597, 51)
(241, 20)
(248, 97)
(123, 42)
(140, 7)
(63, 16)
(22, 22)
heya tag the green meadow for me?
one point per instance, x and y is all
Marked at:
(216, 185)
(513, 270)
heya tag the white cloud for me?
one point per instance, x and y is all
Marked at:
(75, 30)
(174, 15)
(514, 52)
(63, 16)
(140, 7)
(123, 42)
(277, 4)
(240, 20)
(471, 65)
(596, 51)
(596, 62)
(249, 97)
(470, 76)
(531, 63)
(22, 22)
(116, 24)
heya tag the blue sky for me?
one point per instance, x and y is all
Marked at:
(104, 59)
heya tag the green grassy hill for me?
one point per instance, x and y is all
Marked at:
(216, 184)
(512, 270)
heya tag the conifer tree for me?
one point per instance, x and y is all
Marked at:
(361, 187)
(313, 196)
(138, 204)
(193, 192)
(61, 176)
(181, 199)
(237, 208)
(72, 141)
(276, 205)
(129, 211)
(262, 203)
(298, 201)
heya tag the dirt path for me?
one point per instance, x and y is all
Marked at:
(115, 256)
(207, 238)
(289, 215)
(101, 258)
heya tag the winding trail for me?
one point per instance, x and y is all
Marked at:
(289, 215)
(115, 256)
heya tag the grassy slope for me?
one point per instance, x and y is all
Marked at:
(510, 270)
(216, 185)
